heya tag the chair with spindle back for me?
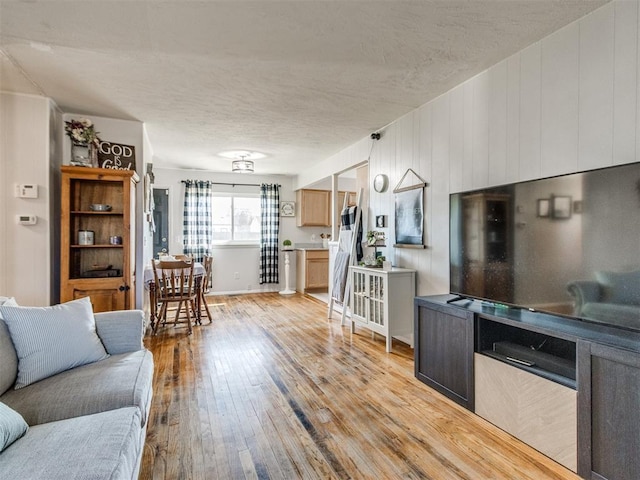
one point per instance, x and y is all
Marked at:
(175, 283)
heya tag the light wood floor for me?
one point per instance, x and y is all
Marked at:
(272, 389)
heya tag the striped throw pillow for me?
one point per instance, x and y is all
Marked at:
(12, 426)
(50, 340)
(9, 302)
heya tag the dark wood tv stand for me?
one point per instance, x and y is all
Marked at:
(569, 388)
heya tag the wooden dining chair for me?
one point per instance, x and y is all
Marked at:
(208, 264)
(175, 283)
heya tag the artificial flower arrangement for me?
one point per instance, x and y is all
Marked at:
(82, 131)
(373, 237)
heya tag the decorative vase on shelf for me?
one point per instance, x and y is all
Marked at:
(84, 141)
(84, 154)
(80, 156)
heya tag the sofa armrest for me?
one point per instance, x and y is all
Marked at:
(121, 331)
(584, 291)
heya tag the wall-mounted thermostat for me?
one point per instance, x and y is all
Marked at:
(27, 219)
(27, 191)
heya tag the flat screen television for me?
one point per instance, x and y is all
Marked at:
(566, 245)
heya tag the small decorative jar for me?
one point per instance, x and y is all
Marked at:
(85, 237)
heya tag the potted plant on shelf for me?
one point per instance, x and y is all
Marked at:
(375, 239)
(286, 244)
(371, 238)
(84, 142)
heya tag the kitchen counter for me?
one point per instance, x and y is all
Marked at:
(310, 246)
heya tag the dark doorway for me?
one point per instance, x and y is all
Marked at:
(161, 220)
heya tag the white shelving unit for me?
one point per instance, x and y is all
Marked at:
(382, 301)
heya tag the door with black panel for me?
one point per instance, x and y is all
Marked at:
(161, 220)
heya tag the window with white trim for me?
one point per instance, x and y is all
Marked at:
(236, 218)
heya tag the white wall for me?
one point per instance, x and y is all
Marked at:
(568, 103)
(231, 259)
(33, 146)
(28, 155)
(144, 248)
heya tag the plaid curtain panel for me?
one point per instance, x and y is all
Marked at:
(270, 216)
(196, 220)
(348, 219)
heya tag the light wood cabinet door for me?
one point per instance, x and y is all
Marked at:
(102, 269)
(105, 298)
(538, 411)
(314, 208)
(317, 271)
(351, 199)
(312, 270)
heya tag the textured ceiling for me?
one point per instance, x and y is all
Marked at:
(296, 80)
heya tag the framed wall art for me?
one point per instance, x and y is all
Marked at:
(561, 207)
(116, 156)
(409, 208)
(287, 209)
(543, 207)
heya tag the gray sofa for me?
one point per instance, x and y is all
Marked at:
(88, 422)
(612, 298)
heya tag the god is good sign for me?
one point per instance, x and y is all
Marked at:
(116, 156)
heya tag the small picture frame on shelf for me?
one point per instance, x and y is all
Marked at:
(543, 207)
(381, 221)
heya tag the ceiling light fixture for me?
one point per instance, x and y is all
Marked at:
(242, 166)
(242, 159)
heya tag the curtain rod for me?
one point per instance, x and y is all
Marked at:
(232, 184)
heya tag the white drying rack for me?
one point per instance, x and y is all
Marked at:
(347, 241)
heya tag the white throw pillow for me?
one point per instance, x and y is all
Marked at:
(12, 426)
(50, 340)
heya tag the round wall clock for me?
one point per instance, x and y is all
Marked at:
(287, 209)
(380, 183)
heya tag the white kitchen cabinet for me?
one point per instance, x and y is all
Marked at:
(382, 301)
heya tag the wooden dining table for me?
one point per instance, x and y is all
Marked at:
(150, 285)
